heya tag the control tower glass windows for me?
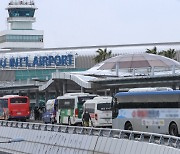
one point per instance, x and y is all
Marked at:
(21, 38)
(21, 12)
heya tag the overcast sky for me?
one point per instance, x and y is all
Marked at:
(104, 22)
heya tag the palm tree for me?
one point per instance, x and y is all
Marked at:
(161, 53)
(170, 53)
(102, 55)
(152, 51)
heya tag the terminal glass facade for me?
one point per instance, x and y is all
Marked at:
(21, 12)
(42, 74)
(21, 38)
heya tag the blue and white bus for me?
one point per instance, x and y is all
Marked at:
(148, 111)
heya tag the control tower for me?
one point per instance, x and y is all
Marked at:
(20, 34)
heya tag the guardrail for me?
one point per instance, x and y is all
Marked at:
(166, 140)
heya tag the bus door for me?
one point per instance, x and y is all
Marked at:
(66, 110)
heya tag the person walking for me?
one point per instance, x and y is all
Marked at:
(36, 115)
(86, 118)
(40, 113)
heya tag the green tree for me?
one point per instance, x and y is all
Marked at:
(170, 53)
(152, 51)
(103, 54)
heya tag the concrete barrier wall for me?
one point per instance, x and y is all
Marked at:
(124, 146)
(37, 141)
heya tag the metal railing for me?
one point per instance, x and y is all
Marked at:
(161, 139)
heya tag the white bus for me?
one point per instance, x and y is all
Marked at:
(70, 108)
(153, 111)
(100, 111)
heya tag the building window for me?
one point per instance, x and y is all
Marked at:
(21, 38)
(21, 12)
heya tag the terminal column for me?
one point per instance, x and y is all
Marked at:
(46, 95)
(37, 97)
(64, 87)
(82, 89)
(112, 92)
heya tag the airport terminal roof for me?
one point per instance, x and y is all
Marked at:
(138, 61)
(123, 67)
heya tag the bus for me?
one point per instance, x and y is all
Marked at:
(49, 116)
(151, 89)
(147, 111)
(70, 107)
(14, 107)
(99, 109)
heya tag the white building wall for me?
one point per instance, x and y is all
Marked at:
(22, 32)
(21, 25)
(18, 45)
(30, 45)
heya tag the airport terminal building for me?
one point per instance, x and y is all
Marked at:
(48, 73)
(26, 68)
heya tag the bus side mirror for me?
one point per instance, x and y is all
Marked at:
(114, 102)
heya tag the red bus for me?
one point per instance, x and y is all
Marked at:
(14, 107)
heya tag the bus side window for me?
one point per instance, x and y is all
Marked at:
(178, 104)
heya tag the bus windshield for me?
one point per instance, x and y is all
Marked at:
(18, 100)
(90, 108)
(66, 103)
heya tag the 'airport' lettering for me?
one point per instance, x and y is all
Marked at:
(63, 60)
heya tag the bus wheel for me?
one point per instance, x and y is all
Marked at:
(128, 126)
(173, 129)
(69, 121)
